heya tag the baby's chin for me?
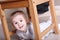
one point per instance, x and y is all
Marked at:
(23, 30)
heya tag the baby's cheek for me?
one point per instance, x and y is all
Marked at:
(24, 22)
(16, 26)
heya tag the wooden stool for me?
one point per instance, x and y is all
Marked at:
(31, 4)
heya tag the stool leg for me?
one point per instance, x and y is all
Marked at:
(4, 24)
(53, 14)
(34, 18)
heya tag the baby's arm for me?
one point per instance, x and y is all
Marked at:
(31, 30)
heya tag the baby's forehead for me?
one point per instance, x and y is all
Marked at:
(20, 14)
(18, 17)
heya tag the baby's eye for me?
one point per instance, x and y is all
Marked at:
(21, 20)
(16, 23)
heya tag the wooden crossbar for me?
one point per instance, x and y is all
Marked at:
(47, 30)
(37, 2)
(18, 4)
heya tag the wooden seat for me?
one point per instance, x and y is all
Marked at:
(10, 0)
(31, 5)
(5, 1)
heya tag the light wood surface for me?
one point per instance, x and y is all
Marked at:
(4, 24)
(47, 30)
(39, 1)
(10, 0)
(18, 4)
(53, 14)
(34, 18)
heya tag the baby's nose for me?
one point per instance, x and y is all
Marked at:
(19, 24)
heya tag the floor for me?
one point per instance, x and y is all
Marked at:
(53, 37)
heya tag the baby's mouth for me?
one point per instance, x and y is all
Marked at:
(21, 27)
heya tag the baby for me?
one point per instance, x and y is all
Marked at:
(24, 28)
(20, 22)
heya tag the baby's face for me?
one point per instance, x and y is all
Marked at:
(20, 22)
